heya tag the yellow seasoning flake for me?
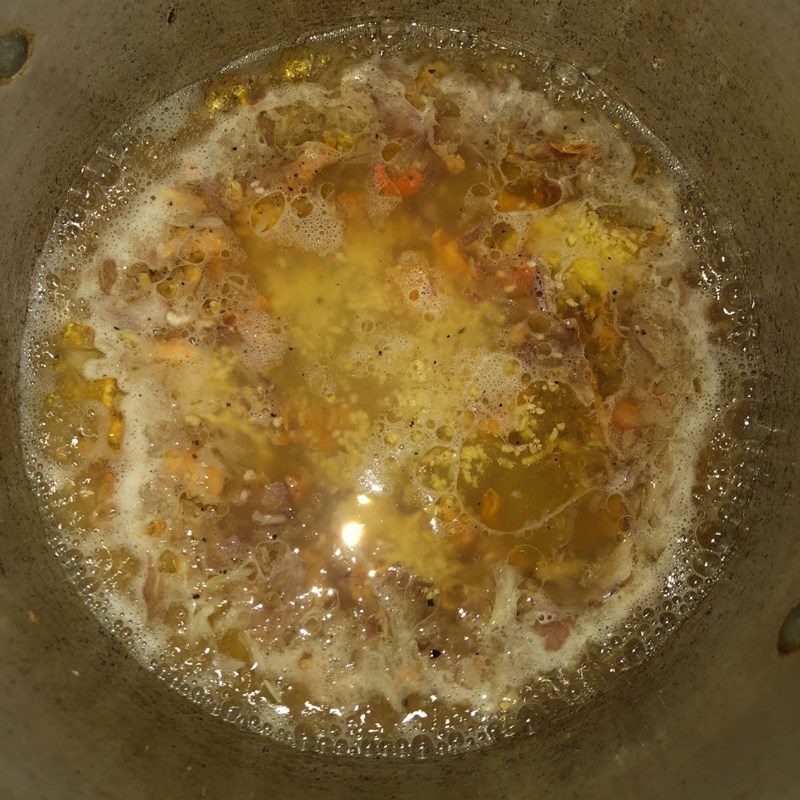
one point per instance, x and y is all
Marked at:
(305, 67)
(77, 335)
(228, 91)
(588, 273)
(473, 462)
(115, 431)
(341, 140)
(553, 258)
(106, 390)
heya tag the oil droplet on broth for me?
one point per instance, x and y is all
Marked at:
(372, 383)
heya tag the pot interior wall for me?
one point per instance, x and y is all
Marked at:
(714, 716)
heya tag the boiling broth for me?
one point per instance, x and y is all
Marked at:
(374, 391)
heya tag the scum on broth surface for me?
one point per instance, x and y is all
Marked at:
(365, 376)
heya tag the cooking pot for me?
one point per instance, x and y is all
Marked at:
(715, 714)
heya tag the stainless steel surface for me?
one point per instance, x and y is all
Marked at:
(715, 715)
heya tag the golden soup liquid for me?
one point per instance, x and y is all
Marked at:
(377, 391)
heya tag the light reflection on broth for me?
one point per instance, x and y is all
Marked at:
(383, 398)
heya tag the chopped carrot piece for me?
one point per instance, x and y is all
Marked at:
(490, 506)
(625, 416)
(508, 202)
(489, 424)
(384, 183)
(409, 183)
